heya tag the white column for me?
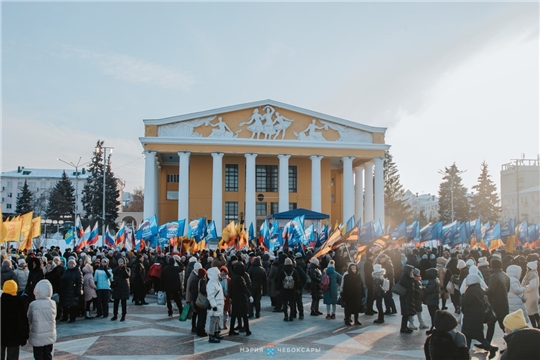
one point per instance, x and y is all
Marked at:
(156, 189)
(368, 195)
(379, 190)
(183, 185)
(250, 190)
(283, 183)
(359, 194)
(348, 188)
(217, 190)
(316, 199)
(149, 183)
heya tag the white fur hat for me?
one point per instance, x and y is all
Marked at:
(483, 261)
(533, 265)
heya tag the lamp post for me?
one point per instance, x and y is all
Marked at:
(452, 176)
(104, 148)
(76, 166)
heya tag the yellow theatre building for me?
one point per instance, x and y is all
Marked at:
(247, 161)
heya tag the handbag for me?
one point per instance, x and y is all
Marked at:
(185, 313)
(489, 314)
(161, 298)
(399, 289)
(450, 288)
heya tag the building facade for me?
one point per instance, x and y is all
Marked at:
(247, 161)
(520, 190)
(40, 182)
(425, 203)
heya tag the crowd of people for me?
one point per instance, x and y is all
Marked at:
(221, 290)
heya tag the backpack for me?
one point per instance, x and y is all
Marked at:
(288, 281)
(325, 282)
(442, 346)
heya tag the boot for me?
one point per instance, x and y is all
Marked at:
(212, 339)
(114, 317)
(217, 336)
(88, 315)
(123, 318)
(493, 351)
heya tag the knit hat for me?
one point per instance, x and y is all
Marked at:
(496, 255)
(441, 261)
(331, 264)
(461, 264)
(192, 259)
(533, 265)
(288, 261)
(444, 321)
(176, 258)
(483, 262)
(201, 272)
(473, 279)
(424, 257)
(197, 266)
(10, 287)
(496, 263)
(469, 262)
(378, 268)
(298, 255)
(21, 261)
(71, 260)
(515, 320)
(314, 260)
(224, 268)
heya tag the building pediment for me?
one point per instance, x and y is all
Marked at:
(268, 121)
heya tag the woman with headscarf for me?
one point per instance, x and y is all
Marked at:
(473, 306)
(240, 295)
(379, 275)
(530, 283)
(406, 300)
(353, 291)
(330, 296)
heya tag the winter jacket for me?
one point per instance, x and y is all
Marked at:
(315, 275)
(407, 301)
(22, 278)
(330, 296)
(378, 279)
(497, 292)
(54, 275)
(8, 274)
(516, 293)
(71, 286)
(34, 276)
(473, 307)
(418, 291)
(42, 315)
(239, 291)
(288, 294)
(193, 277)
(257, 275)
(15, 330)
(121, 276)
(89, 286)
(170, 277)
(432, 289)
(353, 291)
(214, 292)
(103, 281)
(272, 276)
(522, 344)
(530, 283)
(389, 267)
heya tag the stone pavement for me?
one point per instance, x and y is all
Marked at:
(148, 333)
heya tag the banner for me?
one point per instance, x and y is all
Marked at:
(147, 229)
(197, 229)
(69, 236)
(172, 229)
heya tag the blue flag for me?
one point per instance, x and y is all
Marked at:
(365, 233)
(69, 236)
(460, 237)
(494, 233)
(532, 236)
(323, 236)
(265, 234)
(211, 233)
(147, 229)
(448, 233)
(400, 231)
(197, 229)
(377, 229)
(413, 231)
(508, 228)
(350, 224)
(523, 232)
(309, 235)
(251, 232)
(296, 229)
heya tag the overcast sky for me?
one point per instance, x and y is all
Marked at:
(452, 82)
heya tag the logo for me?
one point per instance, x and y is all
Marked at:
(270, 349)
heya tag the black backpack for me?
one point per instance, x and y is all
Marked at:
(442, 346)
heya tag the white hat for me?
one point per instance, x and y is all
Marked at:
(469, 262)
(197, 266)
(21, 261)
(483, 261)
(314, 260)
(192, 259)
(461, 264)
(533, 265)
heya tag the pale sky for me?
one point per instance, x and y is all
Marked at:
(452, 82)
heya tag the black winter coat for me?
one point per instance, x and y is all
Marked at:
(408, 307)
(522, 344)
(258, 276)
(288, 294)
(473, 308)
(389, 267)
(170, 278)
(418, 295)
(54, 276)
(239, 292)
(8, 274)
(15, 329)
(431, 291)
(315, 275)
(71, 286)
(138, 275)
(121, 275)
(353, 292)
(34, 276)
(498, 287)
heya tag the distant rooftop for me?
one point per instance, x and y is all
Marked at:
(32, 173)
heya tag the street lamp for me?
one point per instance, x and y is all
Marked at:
(76, 166)
(451, 175)
(104, 185)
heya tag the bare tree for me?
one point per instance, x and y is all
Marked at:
(137, 202)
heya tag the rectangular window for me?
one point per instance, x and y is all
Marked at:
(293, 179)
(266, 178)
(231, 177)
(32, 184)
(10, 195)
(8, 206)
(292, 206)
(9, 184)
(260, 209)
(274, 208)
(43, 185)
(20, 184)
(231, 211)
(333, 198)
(172, 178)
(172, 195)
